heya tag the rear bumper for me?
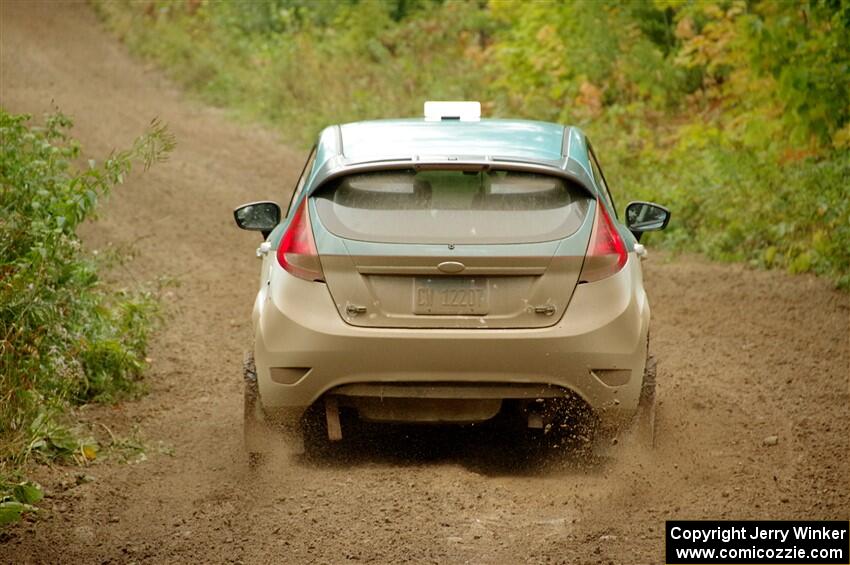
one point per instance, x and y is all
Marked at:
(297, 325)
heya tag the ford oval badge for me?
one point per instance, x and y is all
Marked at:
(451, 267)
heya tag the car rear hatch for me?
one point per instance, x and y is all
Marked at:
(451, 248)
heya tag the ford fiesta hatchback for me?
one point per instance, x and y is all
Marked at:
(448, 270)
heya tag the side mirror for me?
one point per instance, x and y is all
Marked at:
(646, 216)
(261, 216)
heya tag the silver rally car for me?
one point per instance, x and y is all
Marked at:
(448, 270)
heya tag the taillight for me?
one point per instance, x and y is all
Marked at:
(606, 253)
(297, 250)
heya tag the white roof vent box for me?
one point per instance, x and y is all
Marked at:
(447, 111)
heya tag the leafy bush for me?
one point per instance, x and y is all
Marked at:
(733, 205)
(734, 113)
(64, 338)
(17, 498)
(271, 59)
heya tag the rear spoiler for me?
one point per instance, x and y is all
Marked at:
(565, 168)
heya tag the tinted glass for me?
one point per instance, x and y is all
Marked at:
(452, 207)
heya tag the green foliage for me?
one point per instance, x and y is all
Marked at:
(805, 47)
(64, 338)
(270, 58)
(734, 113)
(17, 499)
(734, 206)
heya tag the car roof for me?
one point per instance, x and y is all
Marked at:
(411, 138)
(541, 147)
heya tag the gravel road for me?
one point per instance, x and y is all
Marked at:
(743, 355)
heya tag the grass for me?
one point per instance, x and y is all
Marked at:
(65, 339)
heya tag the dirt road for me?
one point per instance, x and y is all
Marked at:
(743, 355)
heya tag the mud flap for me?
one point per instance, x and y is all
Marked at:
(254, 427)
(645, 418)
(332, 418)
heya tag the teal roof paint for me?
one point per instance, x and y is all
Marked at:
(388, 139)
(327, 147)
(577, 149)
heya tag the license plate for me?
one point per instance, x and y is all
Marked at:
(458, 296)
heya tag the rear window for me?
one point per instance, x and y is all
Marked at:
(459, 207)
